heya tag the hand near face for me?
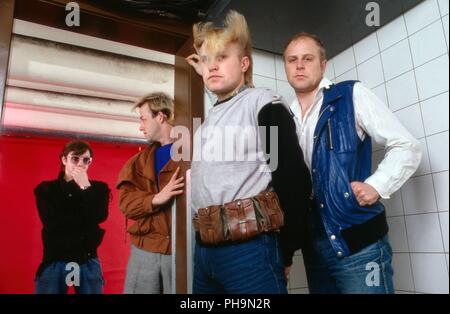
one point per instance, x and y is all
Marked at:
(193, 61)
(365, 193)
(80, 177)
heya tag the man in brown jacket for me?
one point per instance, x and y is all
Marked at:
(148, 184)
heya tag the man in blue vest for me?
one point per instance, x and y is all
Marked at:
(350, 250)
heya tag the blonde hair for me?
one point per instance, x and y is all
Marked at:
(157, 102)
(215, 39)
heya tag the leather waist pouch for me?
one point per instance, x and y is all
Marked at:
(239, 220)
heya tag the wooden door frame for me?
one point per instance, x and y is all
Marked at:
(6, 26)
(161, 35)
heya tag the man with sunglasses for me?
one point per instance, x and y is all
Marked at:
(148, 183)
(71, 209)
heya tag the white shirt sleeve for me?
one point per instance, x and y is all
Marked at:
(403, 153)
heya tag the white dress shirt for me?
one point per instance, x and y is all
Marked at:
(403, 153)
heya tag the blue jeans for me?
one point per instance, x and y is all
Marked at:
(254, 266)
(53, 278)
(368, 271)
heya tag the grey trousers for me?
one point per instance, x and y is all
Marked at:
(147, 271)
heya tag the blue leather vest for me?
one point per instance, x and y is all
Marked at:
(339, 158)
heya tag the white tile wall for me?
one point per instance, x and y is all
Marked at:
(377, 157)
(397, 234)
(435, 114)
(403, 279)
(370, 73)
(269, 72)
(443, 218)
(279, 69)
(299, 291)
(418, 195)
(329, 71)
(297, 277)
(446, 258)
(430, 273)
(263, 81)
(264, 64)
(428, 43)
(366, 48)
(438, 149)
(443, 7)
(394, 205)
(421, 16)
(402, 91)
(424, 233)
(441, 188)
(414, 54)
(411, 119)
(445, 23)
(392, 33)
(344, 61)
(380, 91)
(406, 65)
(424, 167)
(432, 77)
(393, 65)
(350, 75)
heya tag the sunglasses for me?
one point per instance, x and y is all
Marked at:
(76, 159)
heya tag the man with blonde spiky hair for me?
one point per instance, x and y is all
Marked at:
(250, 205)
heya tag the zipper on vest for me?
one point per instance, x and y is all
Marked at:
(318, 119)
(323, 111)
(329, 137)
(316, 136)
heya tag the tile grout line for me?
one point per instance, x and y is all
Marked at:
(426, 144)
(404, 217)
(384, 75)
(380, 51)
(416, 67)
(401, 192)
(442, 23)
(420, 101)
(418, 214)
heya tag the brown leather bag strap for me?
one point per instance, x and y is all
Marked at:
(271, 208)
(239, 220)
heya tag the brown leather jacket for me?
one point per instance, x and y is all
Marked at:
(137, 187)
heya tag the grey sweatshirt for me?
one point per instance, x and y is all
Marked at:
(223, 168)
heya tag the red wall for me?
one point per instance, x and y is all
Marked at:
(25, 162)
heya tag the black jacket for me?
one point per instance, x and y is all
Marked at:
(70, 218)
(291, 180)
